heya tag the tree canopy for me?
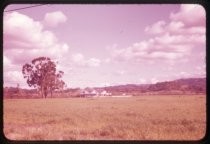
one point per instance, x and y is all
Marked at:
(41, 74)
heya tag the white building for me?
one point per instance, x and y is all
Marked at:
(93, 92)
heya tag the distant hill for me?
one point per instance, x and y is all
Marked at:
(189, 85)
(179, 86)
(194, 85)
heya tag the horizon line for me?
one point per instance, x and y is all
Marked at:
(115, 84)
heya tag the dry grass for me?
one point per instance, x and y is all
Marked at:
(141, 118)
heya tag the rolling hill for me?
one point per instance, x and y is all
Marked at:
(179, 86)
(189, 85)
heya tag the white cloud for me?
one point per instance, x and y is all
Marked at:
(156, 28)
(173, 26)
(6, 61)
(13, 76)
(183, 73)
(80, 60)
(52, 19)
(166, 47)
(165, 55)
(24, 36)
(172, 41)
(21, 28)
(142, 81)
(25, 39)
(187, 11)
(93, 62)
(153, 80)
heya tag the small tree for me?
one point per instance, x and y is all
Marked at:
(41, 74)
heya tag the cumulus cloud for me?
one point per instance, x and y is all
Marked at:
(173, 40)
(80, 60)
(154, 80)
(184, 74)
(6, 61)
(24, 36)
(200, 70)
(156, 28)
(142, 81)
(13, 77)
(52, 19)
(182, 22)
(21, 29)
(25, 39)
(187, 11)
(93, 62)
(164, 47)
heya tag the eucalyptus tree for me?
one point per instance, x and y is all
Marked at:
(41, 74)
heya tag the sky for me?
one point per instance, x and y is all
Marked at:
(103, 45)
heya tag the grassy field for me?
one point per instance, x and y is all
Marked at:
(132, 118)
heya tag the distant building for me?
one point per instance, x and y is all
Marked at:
(105, 93)
(89, 92)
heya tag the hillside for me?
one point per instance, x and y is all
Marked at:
(179, 86)
(190, 85)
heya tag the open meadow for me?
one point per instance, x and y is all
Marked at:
(157, 117)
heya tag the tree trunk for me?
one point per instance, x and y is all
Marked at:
(45, 92)
(42, 92)
(51, 92)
